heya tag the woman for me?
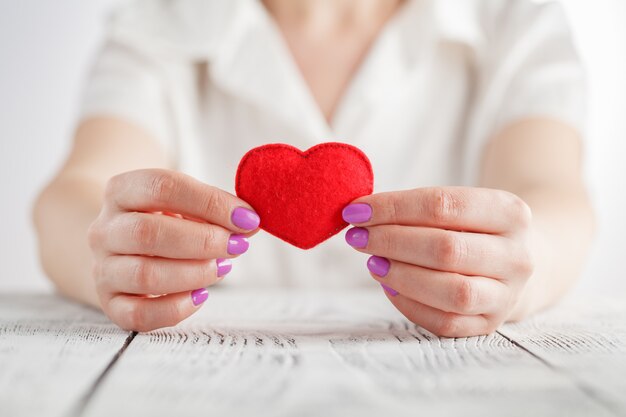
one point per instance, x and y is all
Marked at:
(471, 114)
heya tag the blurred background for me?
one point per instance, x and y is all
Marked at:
(46, 46)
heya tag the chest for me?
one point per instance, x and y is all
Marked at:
(328, 64)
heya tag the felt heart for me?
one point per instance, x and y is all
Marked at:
(300, 195)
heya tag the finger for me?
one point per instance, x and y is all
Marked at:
(464, 253)
(143, 314)
(446, 291)
(169, 237)
(441, 323)
(152, 190)
(152, 275)
(457, 208)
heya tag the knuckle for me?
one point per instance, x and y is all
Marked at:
(94, 235)
(135, 318)
(443, 206)
(143, 231)
(450, 250)
(386, 243)
(113, 186)
(162, 186)
(465, 296)
(207, 242)
(525, 263)
(97, 273)
(394, 208)
(176, 313)
(213, 203)
(448, 325)
(141, 275)
(207, 272)
(520, 211)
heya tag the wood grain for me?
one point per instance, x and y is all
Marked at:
(51, 352)
(284, 353)
(584, 339)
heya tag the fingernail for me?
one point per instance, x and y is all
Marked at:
(389, 290)
(357, 237)
(199, 296)
(223, 266)
(357, 213)
(378, 265)
(245, 218)
(237, 244)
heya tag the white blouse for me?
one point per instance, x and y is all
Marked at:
(211, 79)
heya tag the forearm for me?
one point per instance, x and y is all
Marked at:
(103, 147)
(562, 231)
(62, 214)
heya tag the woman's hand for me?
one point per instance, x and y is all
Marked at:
(453, 260)
(161, 238)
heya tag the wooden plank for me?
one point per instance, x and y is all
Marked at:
(584, 339)
(343, 353)
(51, 352)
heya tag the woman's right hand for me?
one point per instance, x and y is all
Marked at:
(160, 239)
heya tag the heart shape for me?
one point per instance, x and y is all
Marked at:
(300, 195)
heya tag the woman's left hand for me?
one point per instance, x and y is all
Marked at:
(453, 260)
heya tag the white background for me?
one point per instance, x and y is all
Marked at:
(45, 47)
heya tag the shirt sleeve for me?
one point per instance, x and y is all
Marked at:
(532, 67)
(127, 84)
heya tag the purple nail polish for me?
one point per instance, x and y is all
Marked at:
(237, 244)
(389, 290)
(357, 213)
(199, 296)
(245, 218)
(357, 237)
(223, 266)
(378, 265)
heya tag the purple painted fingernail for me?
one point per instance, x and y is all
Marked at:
(223, 266)
(237, 244)
(378, 265)
(357, 213)
(199, 296)
(245, 218)
(357, 237)
(389, 290)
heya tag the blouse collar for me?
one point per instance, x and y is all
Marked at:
(248, 58)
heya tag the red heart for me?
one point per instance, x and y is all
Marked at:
(300, 195)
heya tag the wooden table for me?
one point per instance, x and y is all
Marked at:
(302, 353)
